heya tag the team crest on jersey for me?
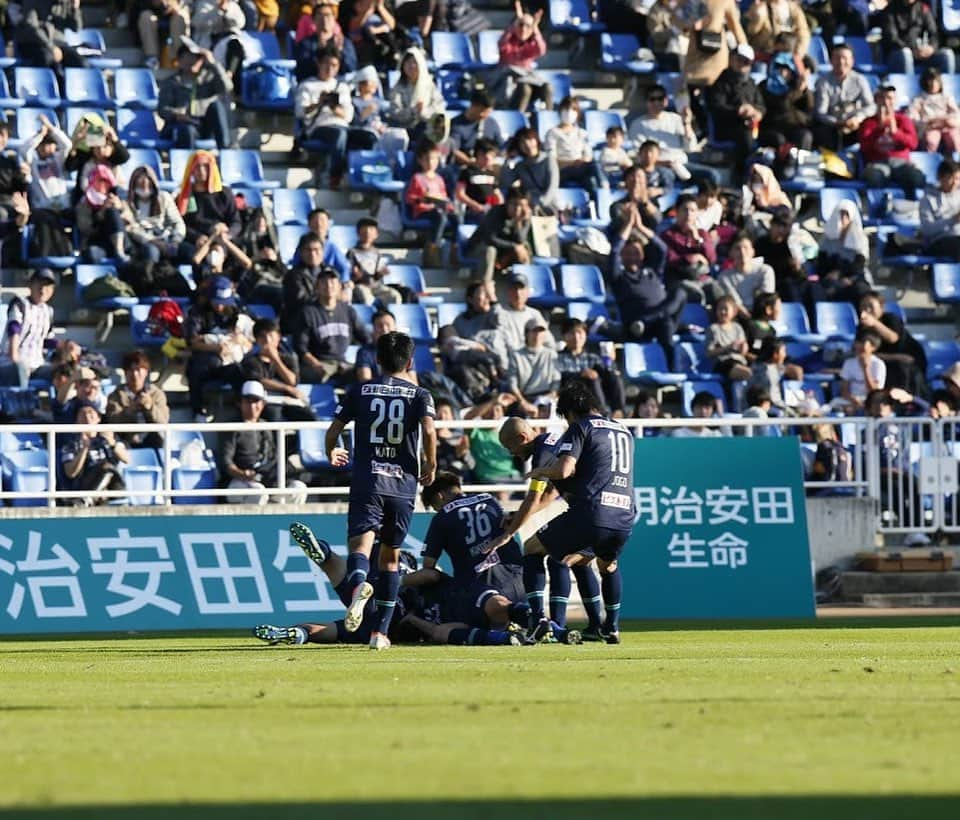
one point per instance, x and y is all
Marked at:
(551, 439)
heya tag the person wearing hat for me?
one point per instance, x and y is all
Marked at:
(90, 459)
(513, 316)
(369, 109)
(532, 375)
(194, 101)
(249, 455)
(29, 325)
(328, 327)
(736, 104)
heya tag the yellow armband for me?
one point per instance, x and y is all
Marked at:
(537, 485)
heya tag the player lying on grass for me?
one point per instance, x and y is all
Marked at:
(489, 584)
(523, 442)
(423, 611)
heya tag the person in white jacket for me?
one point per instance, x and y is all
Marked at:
(323, 106)
(46, 154)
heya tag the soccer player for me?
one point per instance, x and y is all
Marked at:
(595, 457)
(392, 417)
(523, 442)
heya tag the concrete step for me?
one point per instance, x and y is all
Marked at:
(912, 599)
(856, 584)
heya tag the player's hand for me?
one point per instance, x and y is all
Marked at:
(498, 542)
(339, 457)
(428, 473)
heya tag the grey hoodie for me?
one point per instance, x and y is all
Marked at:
(938, 214)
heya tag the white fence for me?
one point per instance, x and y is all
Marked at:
(908, 465)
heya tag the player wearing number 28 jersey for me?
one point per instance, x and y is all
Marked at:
(392, 418)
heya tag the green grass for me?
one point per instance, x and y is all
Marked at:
(845, 720)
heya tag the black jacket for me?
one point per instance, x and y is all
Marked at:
(905, 24)
(731, 90)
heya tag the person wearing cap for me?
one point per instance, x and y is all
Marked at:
(29, 326)
(328, 327)
(533, 377)
(842, 100)
(90, 459)
(736, 104)
(323, 107)
(513, 316)
(194, 101)
(137, 401)
(886, 140)
(249, 455)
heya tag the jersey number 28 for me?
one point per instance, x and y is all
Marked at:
(392, 414)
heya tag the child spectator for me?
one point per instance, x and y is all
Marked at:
(477, 190)
(727, 343)
(767, 308)
(576, 362)
(427, 198)
(278, 371)
(613, 157)
(29, 325)
(771, 368)
(704, 405)
(864, 371)
(90, 459)
(936, 114)
(759, 406)
(46, 154)
(660, 178)
(368, 267)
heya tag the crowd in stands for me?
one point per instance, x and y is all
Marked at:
(761, 167)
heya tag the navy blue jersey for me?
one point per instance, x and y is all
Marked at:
(462, 529)
(545, 453)
(602, 485)
(387, 413)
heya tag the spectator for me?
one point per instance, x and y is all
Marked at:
(673, 132)
(491, 459)
(746, 277)
(250, 455)
(842, 102)
(844, 252)
(453, 445)
(328, 327)
(46, 154)
(323, 106)
(771, 368)
(369, 125)
(218, 255)
(766, 19)
(318, 221)
(513, 317)
(782, 254)
(473, 124)
(479, 315)
(660, 177)
(156, 15)
(899, 500)
(326, 35)
(704, 405)
(415, 99)
(154, 226)
(29, 325)
(521, 45)
(38, 34)
(372, 28)
(936, 114)
(788, 103)
(137, 401)
(727, 343)
(99, 216)
(736, 104)
(903, 355)
(690, 251)
(262, 281)
(886, 140)
(532, 374)
(863, 372)
(910, 38)
(215, 19)
(300, 282)
(278, 371)
(82, 385)
(534, 169)
(194, 101)
(940, 213)
(646, 406)
(369, 266)
(763, 197)
(477, 190)
(13, 179)
(90, 459)
(204, 201)
(767, 309)
(427, 198)
(576, 362)
(367, 367)
(649, 309)
(614, 159)
(637, 199)
(94, 143)
(506, 235)
(572, 149)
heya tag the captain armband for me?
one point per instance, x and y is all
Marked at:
(537, 485)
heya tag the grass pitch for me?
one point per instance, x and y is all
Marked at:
(848, 719)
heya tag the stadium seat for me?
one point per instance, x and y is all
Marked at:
(488, 47)
(143, 472)
(291, 206)
(28, 121)
(561, 85)
(8, 100)
(313, 450)
(181, 438)
(28, 471)
(364, 313)
(820, 53)
(597, 123)
(179, 157)
(372, 171)
(950, 16)
(86, 87)
(836, 320)
(951, 82)
(135, 88)
(691, 388)
(266, 80)
(605, 199)
(423, 361)
(941, 356)
(242, 168)
(194, 478)
(343, 236)
(618, 52)
(139, 329)
(907, 85)
(149, 157)
(10, 441)
(37, 87)
(509, 121)
(288, 238)
(137, 128)
(928, 162)
(55, 262)
(453, 50)
(414, 321)
(863, 59)
(587, 312)
(543, 287)
(546, 119)
(574, 16)
(794, 324)
(647, 363)
(573, 203)
(260, 311)
(946, 282)
(672, 81)
(86, 274)
(448, 311)
(693, 322)
(92, 41)
(690, 358)
(582, 283)
(409, 276)
(322, 399)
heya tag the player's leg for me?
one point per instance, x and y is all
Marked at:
(397, 514)
(611, 586)
(589, 586)
(320, 552)
(459, 634)
(535, 576)
(296, 635)
(364, 518)
(559, 590)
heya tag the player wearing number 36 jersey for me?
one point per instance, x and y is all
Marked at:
(390, 415)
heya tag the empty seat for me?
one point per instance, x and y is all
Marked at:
(143, 474)
(837, 320)
(92, 46)
(452, 49)
(618, 52)
(488, 47)
(291, 206)
(509, 121)
(573, 16)
(414, 321)
(241, 168)
(582, 283)
(372, 171)
(28, 471)
(408, 276)
(8, 100)
(448, 311)
(322, 399)
(647, 362)
(137, 128)
(37, 87)
(136, 88)
(946, 282)
(86, 87)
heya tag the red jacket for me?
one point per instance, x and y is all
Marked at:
(422, 186)
(521, 53)
(878, 144)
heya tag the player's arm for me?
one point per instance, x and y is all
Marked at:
(336, 455)
(562, 468)
(424, 577)
(429, 468)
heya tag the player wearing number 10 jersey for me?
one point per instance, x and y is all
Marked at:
(389, 414)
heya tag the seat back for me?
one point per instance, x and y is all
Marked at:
(509, 121)
(836, 319)
(135, 127)
(413, 320)
(291, 206)
(946, 282)
(409, 276)
(830, 198)
(451, 49)
(793, 320)
(28, 121)
(488, 46)
(597, 123)
(135, 87)
(448, 311)
(582, 283)
(85, 86)
(240, 168)
(643, 357)
(288, 238)
(35, 86)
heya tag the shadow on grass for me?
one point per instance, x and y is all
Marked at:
(894, 807)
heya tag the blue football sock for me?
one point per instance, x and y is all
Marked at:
(387, 589)
(559, 590)
(534, 582)
(589, 586)
(464, 636)
(358, 568)
(612, 586)
(344, 591)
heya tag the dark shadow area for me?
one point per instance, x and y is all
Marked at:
(659, 808)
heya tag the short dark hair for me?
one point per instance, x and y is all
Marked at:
(685, 199)
(484, 145)
(576, 398)
(656, 88)
(572, 323)
(426, 147)
(613, 130)
(394, 351)
(315, 211)
(135, 358)
(307, 238)
(757, 395)
(649, 144)
(769, 346)
(62, 369)
(761, 302)
(481, 98)
(865, 334)
(379, 314)
(473, 287)
(707, 185)
(947, 168)
(262, 326)
(704, 399)
(517, 192)
(841, 47)
(442, 482)
(329, 52)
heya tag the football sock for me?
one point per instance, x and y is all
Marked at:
(344, 592)
(464, 636)
(358, 568)
(612, 586)
(302, 635)
(559, 590)
(519, 612)
(534, 582)
(387, 589)
(589, 586)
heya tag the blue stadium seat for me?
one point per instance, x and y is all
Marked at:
(55, 262)
(509, 121)
(11, 441)
(86, 274)
(618, 52)
(260, 311)
(266, 80)
(86, 87)
(322, 399)
(605, 199)
(546, 119)
(672, 81)
(291, 206)
(143, 472)
(597, 123)
(92, 40)
(819, 51)
(181, 438)
(423, 361)
(194, 478)
(691, 359)
(414, 321)
(561, 84)
(28, 471)
(574, 202)
(372, 171)
(647, 363)
(543, 287)
(951, 82)
(573, 16)
(582, 283)
(179, 157)
(28, 122)
(690, 389)
(343, 236)
(241, 168)
(450, 83)
(907, 85)
(364, 313)
(448, 311)
(313, 450)
(137, 128)
(8, 100)
(836, 320)
(950, 16)
(288, 237)
(946, 282)
(139, 331)
(488, 47)
(863, 60)
(941, 356)
(37, 87)
(928, 162)
(794, 324)
(831, 197)
(136, 88)
(149, 157)
(409, 276)
(453, 50)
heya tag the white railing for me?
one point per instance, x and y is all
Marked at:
(918, 494)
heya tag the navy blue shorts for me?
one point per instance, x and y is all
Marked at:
(571, 532)
(467, 603)
(383, 514)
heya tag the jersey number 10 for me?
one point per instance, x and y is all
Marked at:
(620, 446)
(392, 414)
